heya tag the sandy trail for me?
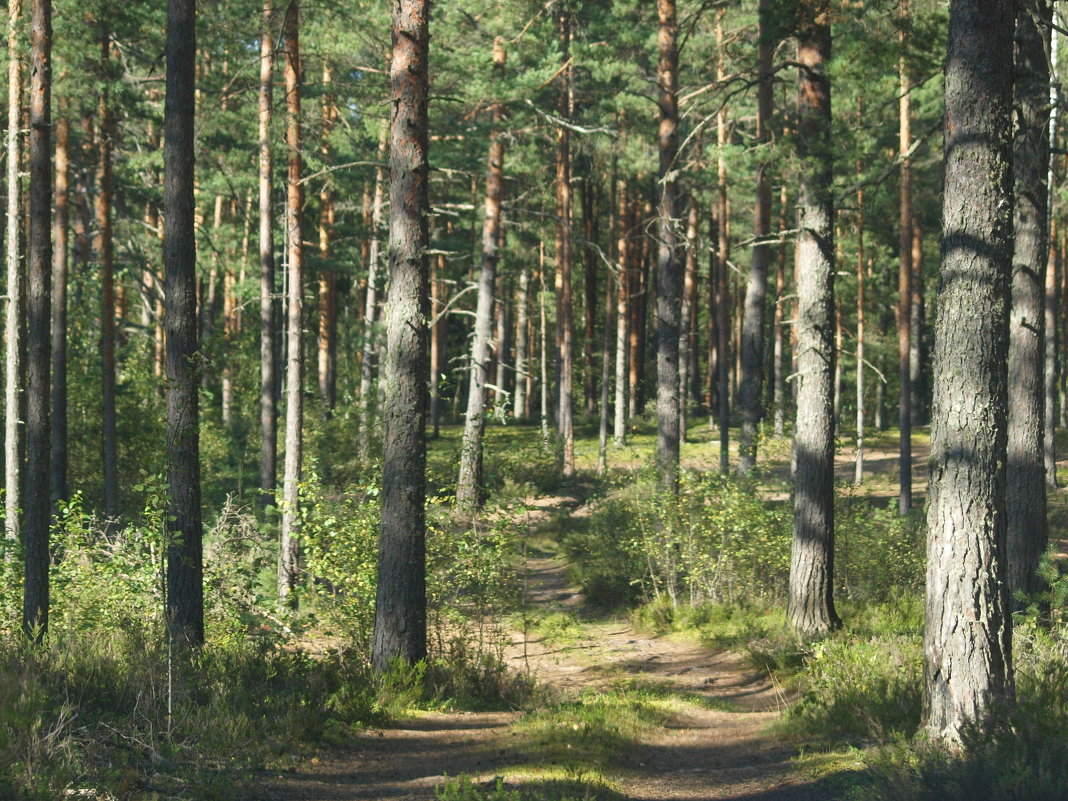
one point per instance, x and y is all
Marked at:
(720, 749)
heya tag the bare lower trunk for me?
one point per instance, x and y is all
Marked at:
(59, 486)
(185, 594)
(968, 636)
(811, 607)
(38, 313)
(619, 424)
(858, 470)
(437, 341)
(400, 602)
(327, 350)
(289, 553)
(15, 288)
(564, 258)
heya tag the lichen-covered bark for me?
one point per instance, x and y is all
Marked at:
(469, 483)
(1025, 499)
(185, 594)
(967, 638)
(38, 318)
(811, 606)
(400, 602)
(669, 268)
(756, 290)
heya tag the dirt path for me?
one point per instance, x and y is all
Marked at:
(718, 749)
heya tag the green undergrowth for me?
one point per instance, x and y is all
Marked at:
(543, 788)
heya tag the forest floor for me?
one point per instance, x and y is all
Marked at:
(626, 716)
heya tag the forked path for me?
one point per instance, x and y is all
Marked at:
(719, 748)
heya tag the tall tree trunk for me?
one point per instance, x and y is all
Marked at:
(289, 552)
(669, 273)
(589, 276)
(607, 336)
(437, 341)
(544, 383)
(722, 312)
(106, 255)
(370, 343)
(522, 301)
(918, 403)
(781, 353)
(38, 313)
(811, 607)
(400, 604)
(619, 422)
(686, 332)
(185, 593)
(1025, 498)
(564, 258)
(469, 484)
(15, 288)
(268, 331)
(327, 353)
(968, 668)
(858, 471)
(60, 491)
(1052, 346)
(752, 343)
(904, 304)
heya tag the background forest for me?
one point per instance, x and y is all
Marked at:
(547, 229)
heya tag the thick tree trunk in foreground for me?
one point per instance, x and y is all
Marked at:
(811, 607)
(289, 553)
(469, 483)
(968, 636)
(669, 269)
(268, 363)
(904, 304)
(752, 343)
(400, 603)
(105, 251)
(185, 593)
(14, 289)
(59, 487)
(1025, 498)
(38, 314)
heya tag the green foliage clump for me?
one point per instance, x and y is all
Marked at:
(879, 555)
(860, 689)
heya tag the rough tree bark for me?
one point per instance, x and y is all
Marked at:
(268, 363)
(469, 483)
(1025, 498)
(15, 288)
(185, 593)
(968, 668)
(752, 344)
(289, 552)
(669, 272)
(400, 603)
(811, 605)
(38, 335)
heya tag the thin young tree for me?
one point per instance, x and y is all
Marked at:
(469, 483)
(105, 250)
(58, 459)
(289, 552)
(268, 363)
(185, 573)
(564, 259)
(15, 288)
(38, 319)
(811, 603)
(1025, 499)
(400, 600)
(619, 418)
(968, 636)
(370, 340)
(328, 300)
(669, 269)
(756, 291)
